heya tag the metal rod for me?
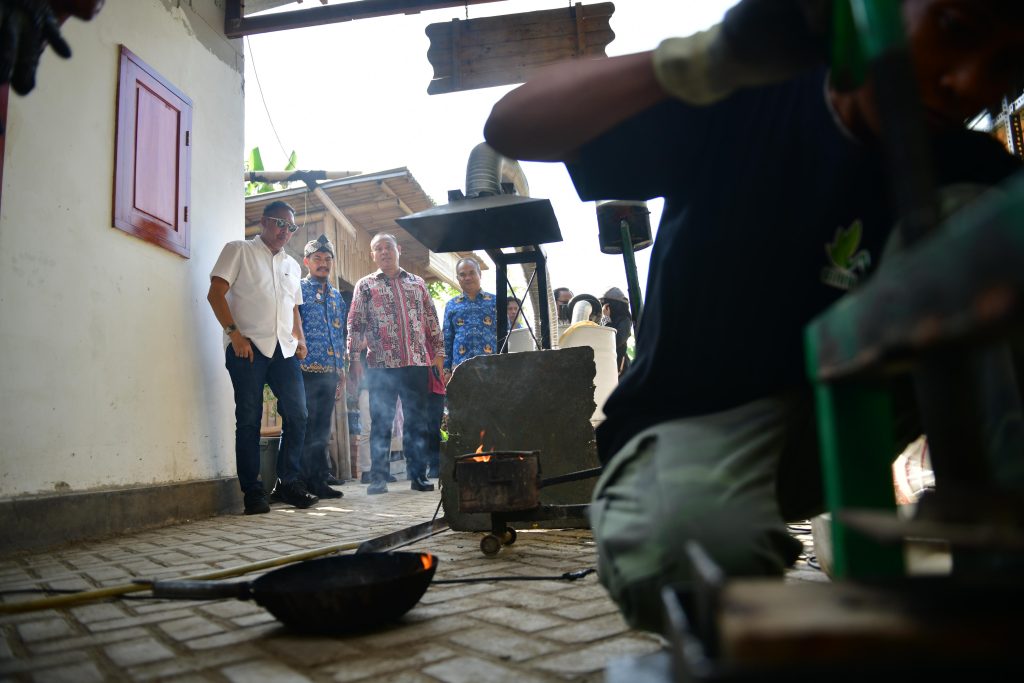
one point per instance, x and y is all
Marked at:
(632, 279)
(572, 476)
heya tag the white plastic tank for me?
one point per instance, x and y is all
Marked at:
(521, 340)
(602, 340)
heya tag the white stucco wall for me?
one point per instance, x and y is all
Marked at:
(111, 360)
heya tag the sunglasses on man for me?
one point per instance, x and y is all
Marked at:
(282, 223)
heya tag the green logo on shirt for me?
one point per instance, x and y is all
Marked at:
(847, 264)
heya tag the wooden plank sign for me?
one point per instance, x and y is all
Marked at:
(481, 53)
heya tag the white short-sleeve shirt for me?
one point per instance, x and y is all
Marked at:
(264, 292)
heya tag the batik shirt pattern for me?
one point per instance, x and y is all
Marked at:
(469, 328)
(395, 320)
(323, 324)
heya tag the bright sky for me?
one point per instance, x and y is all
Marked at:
(353, 97)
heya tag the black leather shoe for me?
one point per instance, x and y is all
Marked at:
(333, 480)
(323, 490)
(421, 485)
(256, 502)
(296, 494)
(378, 487)
(364, 478)
(275, 495)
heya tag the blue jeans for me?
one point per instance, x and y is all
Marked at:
(285, 380)
(320, 390)
(386, 385)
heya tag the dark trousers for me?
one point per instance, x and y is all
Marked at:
(435, 413)
(321, 388)
(285, 380)
(386, 385)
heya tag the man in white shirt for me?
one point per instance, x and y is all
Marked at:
(255, 294)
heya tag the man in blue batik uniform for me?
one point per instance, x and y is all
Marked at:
(469, 328)
(323, 320)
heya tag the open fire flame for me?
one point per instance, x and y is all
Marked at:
(428, 560)
(480, 449)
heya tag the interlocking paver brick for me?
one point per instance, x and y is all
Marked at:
(520, 619)
(589, 630)
(586, 610)
(528, 597)
(5, 648)
(503, 643)
(551, 631)
(140, 619)
(385, 663)
(473, 670)
(403, 677)
(595, 657)
(253, 619)
(189, 628)
(185, 664)
(412, 631)
(44, 629)
(227, 638)
(138, 651)
(313, 652)
(265, 670)
(461, 605)
(57, 659)
(104, 611)
(83, 672)
(230, 609)
(91, 640)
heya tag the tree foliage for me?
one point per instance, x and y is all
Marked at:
(255, 164)
(441, 291)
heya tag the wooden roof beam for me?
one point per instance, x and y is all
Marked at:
(236, 24)
(391, 193)
(333, 209)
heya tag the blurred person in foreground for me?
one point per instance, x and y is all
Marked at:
(766, 167)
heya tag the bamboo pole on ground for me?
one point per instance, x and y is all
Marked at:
(59, 601)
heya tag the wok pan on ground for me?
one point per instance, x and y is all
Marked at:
(329, 595)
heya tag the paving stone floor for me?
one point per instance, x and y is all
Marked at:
(459, 633)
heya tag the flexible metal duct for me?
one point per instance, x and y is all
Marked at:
(486, 171)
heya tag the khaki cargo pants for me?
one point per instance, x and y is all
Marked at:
(713, 479)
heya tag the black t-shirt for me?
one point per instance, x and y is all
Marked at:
(764, 199)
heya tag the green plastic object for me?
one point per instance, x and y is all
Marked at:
(862, 31)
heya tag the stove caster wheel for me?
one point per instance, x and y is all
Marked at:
(509, 537)
(490, 545)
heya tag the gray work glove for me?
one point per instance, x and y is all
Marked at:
(757, 43)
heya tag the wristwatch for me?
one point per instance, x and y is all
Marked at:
(230, 328)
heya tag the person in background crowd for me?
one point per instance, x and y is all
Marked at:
(563, 296)
(617, 306)
(470, 328)
(324, 314)
(255, 294)
(365, 421)
(513, 309)
(393, 317)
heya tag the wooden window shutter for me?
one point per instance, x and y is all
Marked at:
(153, 157)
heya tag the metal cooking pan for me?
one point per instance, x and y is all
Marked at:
(328, 595)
